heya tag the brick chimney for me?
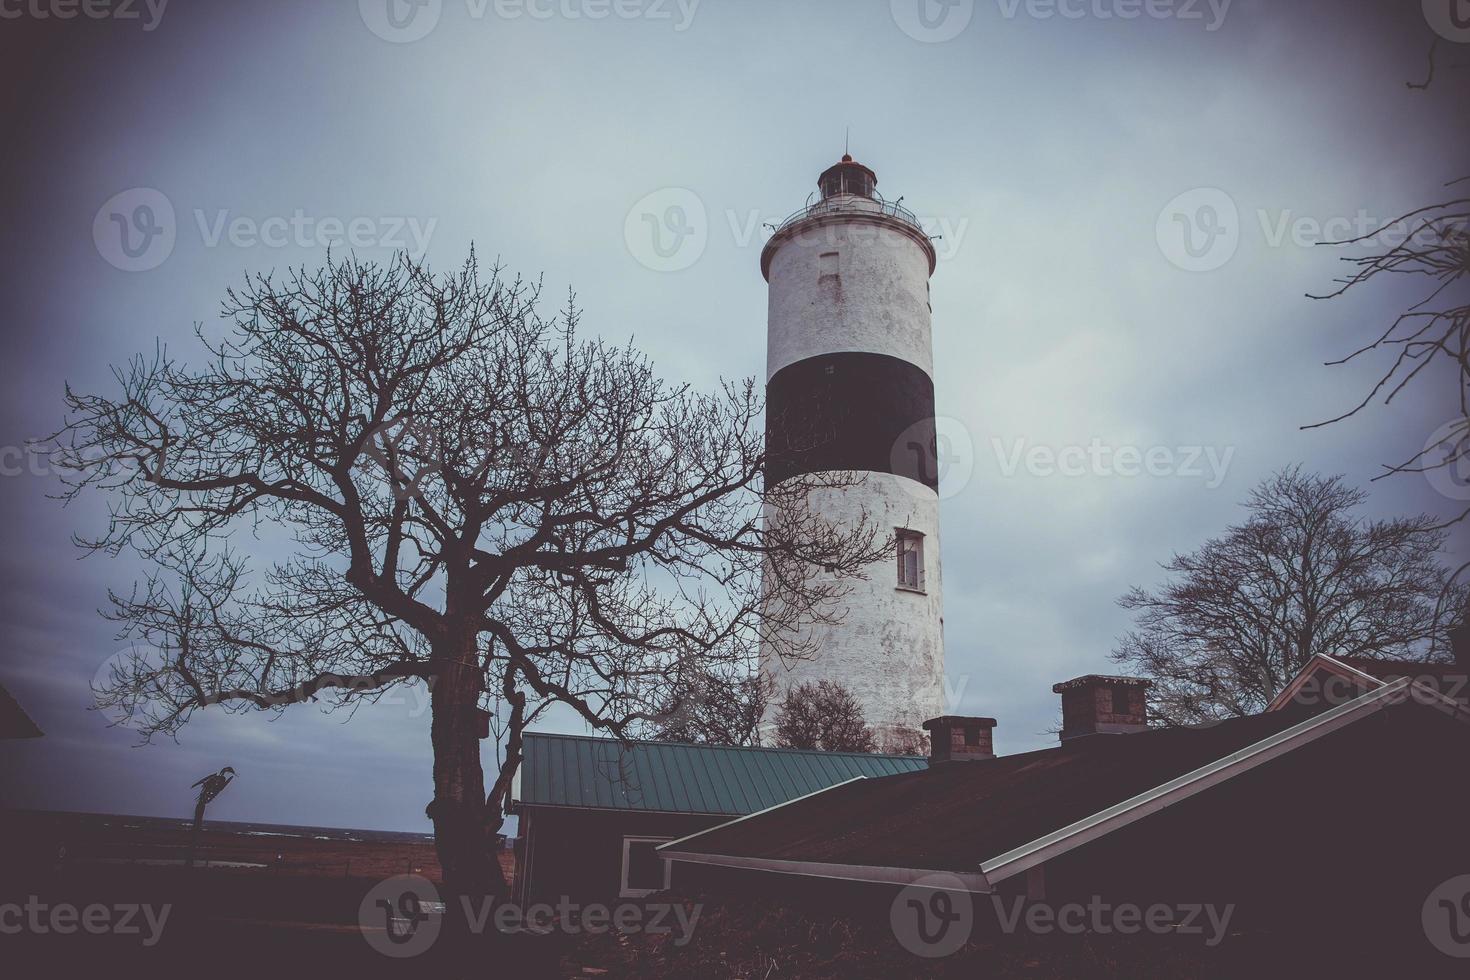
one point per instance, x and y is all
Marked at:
(1102, 705)
(954, 738)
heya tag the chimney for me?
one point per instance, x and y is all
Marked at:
(1102, 705)
(954, 738)
(1459, 687)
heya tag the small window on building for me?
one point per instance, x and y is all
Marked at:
(910, 560)
(827, 266)
(644, 871)
(1120, 700)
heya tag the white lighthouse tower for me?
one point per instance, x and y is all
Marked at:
(850, 387)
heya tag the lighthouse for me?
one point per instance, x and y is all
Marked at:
(850, 388)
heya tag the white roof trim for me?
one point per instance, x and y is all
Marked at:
(1321, 660)
(1190, 784)
(1424, 693)
(972, 881)
(727, 823)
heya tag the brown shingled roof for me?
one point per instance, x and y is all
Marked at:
(14, 722)
(955, 817)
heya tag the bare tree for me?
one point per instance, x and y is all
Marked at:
(466, 495)
(720, 707)
(823, 715)
(902, 740)
(1430, 341)
(1302, 575)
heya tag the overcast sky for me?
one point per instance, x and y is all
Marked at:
(1062, 150)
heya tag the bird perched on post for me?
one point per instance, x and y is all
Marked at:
(209, 787)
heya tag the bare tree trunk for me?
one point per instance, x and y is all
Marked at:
(471, 870)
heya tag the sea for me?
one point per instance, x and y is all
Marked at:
(116, 821)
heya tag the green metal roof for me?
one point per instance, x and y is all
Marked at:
(670, 777)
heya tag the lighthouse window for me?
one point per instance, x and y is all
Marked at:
(910, 560)
(826, 266)
(847, 181)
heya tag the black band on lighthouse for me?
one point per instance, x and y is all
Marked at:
(851, 411)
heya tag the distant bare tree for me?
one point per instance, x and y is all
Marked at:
(467, 495)
(823, 715)
(715, 708)
(903, 740)
(1302, 575)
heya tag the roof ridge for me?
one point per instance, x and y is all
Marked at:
(735, 748)
(1349, 658)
